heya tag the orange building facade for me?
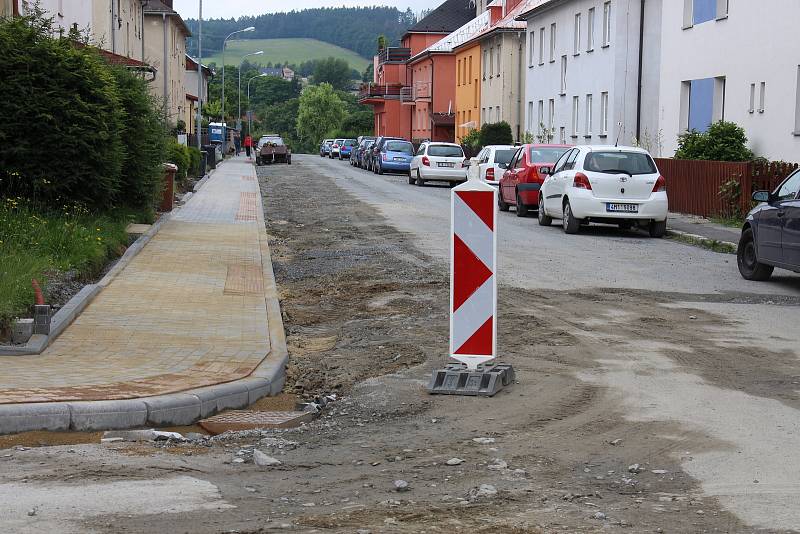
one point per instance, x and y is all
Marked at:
(468, 89)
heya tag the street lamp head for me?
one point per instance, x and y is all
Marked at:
(258, 53)
(249, 29)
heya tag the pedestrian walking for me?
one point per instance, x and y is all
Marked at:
(237, 141)
(248, 144)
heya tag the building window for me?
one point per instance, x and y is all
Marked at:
(483, 116)
(530, 116)
(604, 113)
(551, 115)
(458, 75)
(752, 108)
(563, 75)
(575, 115)
(762, 97)
(531, 48)
(485, 62)
(562, 135)
(607, 24)
(541, 46)
(552, 42)
(701, 104)
(700, 11)
(469, 80)
(498, 59)
(797, 105)
(590, 30)
(491, 62)
(577, 44)
(497, 114)
(589, 118)
(541, 114)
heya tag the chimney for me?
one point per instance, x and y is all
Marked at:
(511, 4)
(495, 12)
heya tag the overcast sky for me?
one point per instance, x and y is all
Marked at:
(237, 8)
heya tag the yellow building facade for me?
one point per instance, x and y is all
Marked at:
(468, 89)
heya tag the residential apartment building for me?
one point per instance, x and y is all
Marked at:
(582, 59)
(8, 8)
(195, 98)
(115, 26)
(710, 72)
(405, 94)
(165, 36)
(468, 88)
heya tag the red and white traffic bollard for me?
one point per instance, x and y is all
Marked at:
(473, 296)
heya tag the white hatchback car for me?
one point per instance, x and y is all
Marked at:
(605, 184)
(487, 164)
(438, 162)
(336, 148)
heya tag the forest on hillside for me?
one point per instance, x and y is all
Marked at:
(354, 28)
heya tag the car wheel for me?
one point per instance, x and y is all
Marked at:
(411, 179)
(747, 259)
(522, 209)
(420, 181)
(380, 168)
(658, 228)
(544, 219)
(570, 223)
(502, 205)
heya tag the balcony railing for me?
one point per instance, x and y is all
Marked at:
(422, 90)
(390, 92)
(407, 95)
(394, 54)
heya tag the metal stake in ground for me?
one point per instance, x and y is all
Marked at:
(473, 296)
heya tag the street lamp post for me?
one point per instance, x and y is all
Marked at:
(239, 98)
(250, 112)
(224, 128)
(199, 115)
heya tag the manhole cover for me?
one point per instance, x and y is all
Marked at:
(246, 420)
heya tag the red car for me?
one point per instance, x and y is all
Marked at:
(521, 181)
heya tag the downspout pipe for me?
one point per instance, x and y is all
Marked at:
(639, 85)
(166, 67)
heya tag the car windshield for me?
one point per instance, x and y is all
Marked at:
(546, 155)
(400, 146)
(631, 163)
(445, 151)
(504, 156)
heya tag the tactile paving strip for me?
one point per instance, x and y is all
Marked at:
(248, 210)
(244, 280)
(247, 420)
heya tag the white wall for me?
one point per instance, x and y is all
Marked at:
(757, 42)
(506, 91)
(65, 13)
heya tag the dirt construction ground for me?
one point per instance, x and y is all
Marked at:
(635, 410)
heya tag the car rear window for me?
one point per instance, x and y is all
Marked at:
(546, 154)
(620, 162)
(504, 156)
(349, 142)
(400, 146)
(445, 151)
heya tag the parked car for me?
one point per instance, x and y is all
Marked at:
(325, 148)
(440, 162)
(604, 184)
(272, 149)
(486, 166)
(394, 156)
(522, 177)
(346, 149)
(336, 148)
(372, 155)
(771, 232)
(358, 151)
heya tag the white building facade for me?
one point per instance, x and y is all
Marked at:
(582, 62)
(736, 60)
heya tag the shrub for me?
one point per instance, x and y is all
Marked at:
(61, 118)
(178, 155)
(472, 139)
(724, 141)
(194, 161)
(497, 133)
(143, 135)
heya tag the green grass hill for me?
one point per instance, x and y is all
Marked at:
(293, 51)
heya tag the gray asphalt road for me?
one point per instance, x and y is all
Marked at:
(531, 256)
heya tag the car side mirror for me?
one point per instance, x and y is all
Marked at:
(762, 196)
(545, 171)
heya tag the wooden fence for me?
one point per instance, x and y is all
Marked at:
(693, 186)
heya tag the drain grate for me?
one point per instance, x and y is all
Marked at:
(246, 420)
(244, 280)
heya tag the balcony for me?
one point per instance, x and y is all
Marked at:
(422, 90)
(394, 54)
(371, 93)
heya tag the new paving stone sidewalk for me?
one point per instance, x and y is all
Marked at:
(190, 310)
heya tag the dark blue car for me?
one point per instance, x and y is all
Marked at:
(346, 150)
(771, 232)
(394, 156)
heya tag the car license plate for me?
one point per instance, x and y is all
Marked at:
(450, 165)
(399, 159)
(622, 208)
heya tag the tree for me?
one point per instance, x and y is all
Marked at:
(358, 123)
(369, 74)
(320, 111)
(333, 71)
(497, 133)
(724, 141)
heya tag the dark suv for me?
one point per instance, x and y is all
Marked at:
(771, 232)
